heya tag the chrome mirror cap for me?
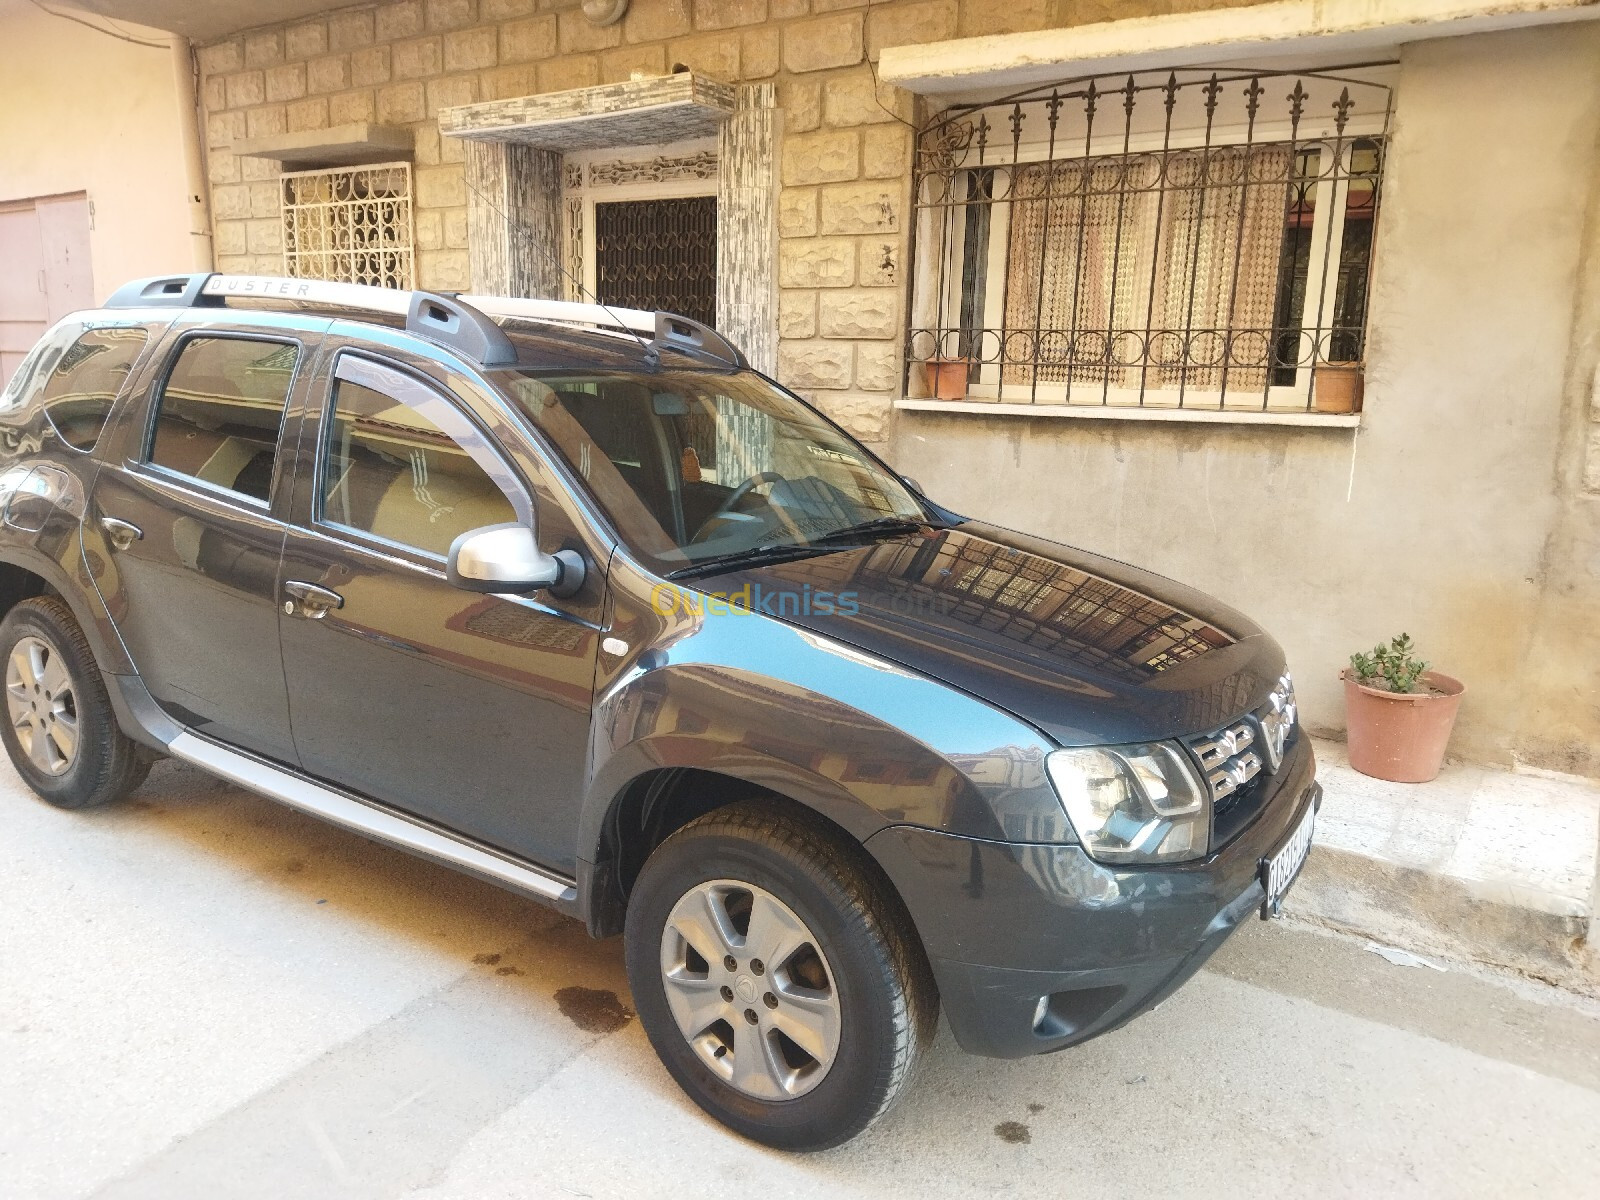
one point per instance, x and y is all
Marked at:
(507, 558)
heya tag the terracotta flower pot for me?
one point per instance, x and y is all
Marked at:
(1337, 388)
(948, 377)
(1397, 737)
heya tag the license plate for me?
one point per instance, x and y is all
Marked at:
(1279, 870)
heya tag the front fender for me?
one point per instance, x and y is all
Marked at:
(864, 742)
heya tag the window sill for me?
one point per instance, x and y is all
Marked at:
(1093, 412)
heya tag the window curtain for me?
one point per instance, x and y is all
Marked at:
(1134, 280)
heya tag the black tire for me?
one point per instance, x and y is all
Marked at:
(106, 764)
(887, 1004)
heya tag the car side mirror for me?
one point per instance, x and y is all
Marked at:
(507, 558)
(913, 485)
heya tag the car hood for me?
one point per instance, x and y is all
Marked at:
(1087, 649)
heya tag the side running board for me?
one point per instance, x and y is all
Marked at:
(379, 823)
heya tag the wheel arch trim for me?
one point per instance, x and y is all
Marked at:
(109, 653)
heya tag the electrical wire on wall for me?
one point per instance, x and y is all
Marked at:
(87, 24)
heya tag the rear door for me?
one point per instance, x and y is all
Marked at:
(471, 710)
(190, 521)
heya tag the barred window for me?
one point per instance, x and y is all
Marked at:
(1193, 240)
(350, 225)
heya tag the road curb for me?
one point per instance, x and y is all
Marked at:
(1438, 914)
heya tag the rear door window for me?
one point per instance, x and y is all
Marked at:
(79, 391)
(220, 412)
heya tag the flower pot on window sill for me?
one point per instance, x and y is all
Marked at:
(1336, 387)
(1400, 736)
(947, 377)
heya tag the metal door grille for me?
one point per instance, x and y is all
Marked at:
(658, 255)
(351, 225)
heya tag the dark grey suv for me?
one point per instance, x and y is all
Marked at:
(574, 600)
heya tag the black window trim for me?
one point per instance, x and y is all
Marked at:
(158, 393)
(365, 539)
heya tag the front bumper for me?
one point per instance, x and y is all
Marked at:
(1005, 924)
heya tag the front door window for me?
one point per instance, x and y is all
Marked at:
(405, 470)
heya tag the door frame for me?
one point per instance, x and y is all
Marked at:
(666, 172)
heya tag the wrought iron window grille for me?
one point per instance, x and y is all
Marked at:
(350, 225)
(1193, 239)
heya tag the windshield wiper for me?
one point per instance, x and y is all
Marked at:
(822, 544)
(872, 528)
(748, 558)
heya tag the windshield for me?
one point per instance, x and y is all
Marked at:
(694, 467)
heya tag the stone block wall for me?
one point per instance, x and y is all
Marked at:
(845, 141)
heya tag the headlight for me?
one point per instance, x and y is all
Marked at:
(1133, 804)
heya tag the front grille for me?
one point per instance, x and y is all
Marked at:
(1239, 760)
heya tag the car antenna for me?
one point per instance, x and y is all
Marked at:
(652, 355)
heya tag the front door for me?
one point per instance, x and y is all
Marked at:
(470, 710)
(186, 526)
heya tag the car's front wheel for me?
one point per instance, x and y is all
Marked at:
(776, 976)
(60, 730)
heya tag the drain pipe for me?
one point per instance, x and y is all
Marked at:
(197, 195)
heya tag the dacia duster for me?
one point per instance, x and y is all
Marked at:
(573, 599)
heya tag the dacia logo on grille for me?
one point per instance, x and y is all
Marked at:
(1276, 719)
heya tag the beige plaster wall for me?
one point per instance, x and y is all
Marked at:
(84, 112)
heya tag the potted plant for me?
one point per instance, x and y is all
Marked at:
(1399, 713)
(947, 375)
(1336, 387)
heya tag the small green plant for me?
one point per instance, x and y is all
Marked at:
(1390, 667)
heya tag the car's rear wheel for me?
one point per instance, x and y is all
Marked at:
(776, 976)
(60, 730)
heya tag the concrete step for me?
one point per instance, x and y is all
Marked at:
(1492, 866)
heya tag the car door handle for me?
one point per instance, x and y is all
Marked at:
(122, 534)
(313, 601)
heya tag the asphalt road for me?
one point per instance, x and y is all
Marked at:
(205, 995)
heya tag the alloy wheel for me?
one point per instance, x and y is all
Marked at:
(42, 705)
(750, 989)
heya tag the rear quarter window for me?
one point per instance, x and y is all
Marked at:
(79, 392)
(25, 386)
(76, 372)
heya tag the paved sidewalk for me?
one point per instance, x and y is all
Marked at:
(1490, 865)
(205, 995)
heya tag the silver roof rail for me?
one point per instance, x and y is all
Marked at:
(449, 322)
(664, 329)
(462, 322)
